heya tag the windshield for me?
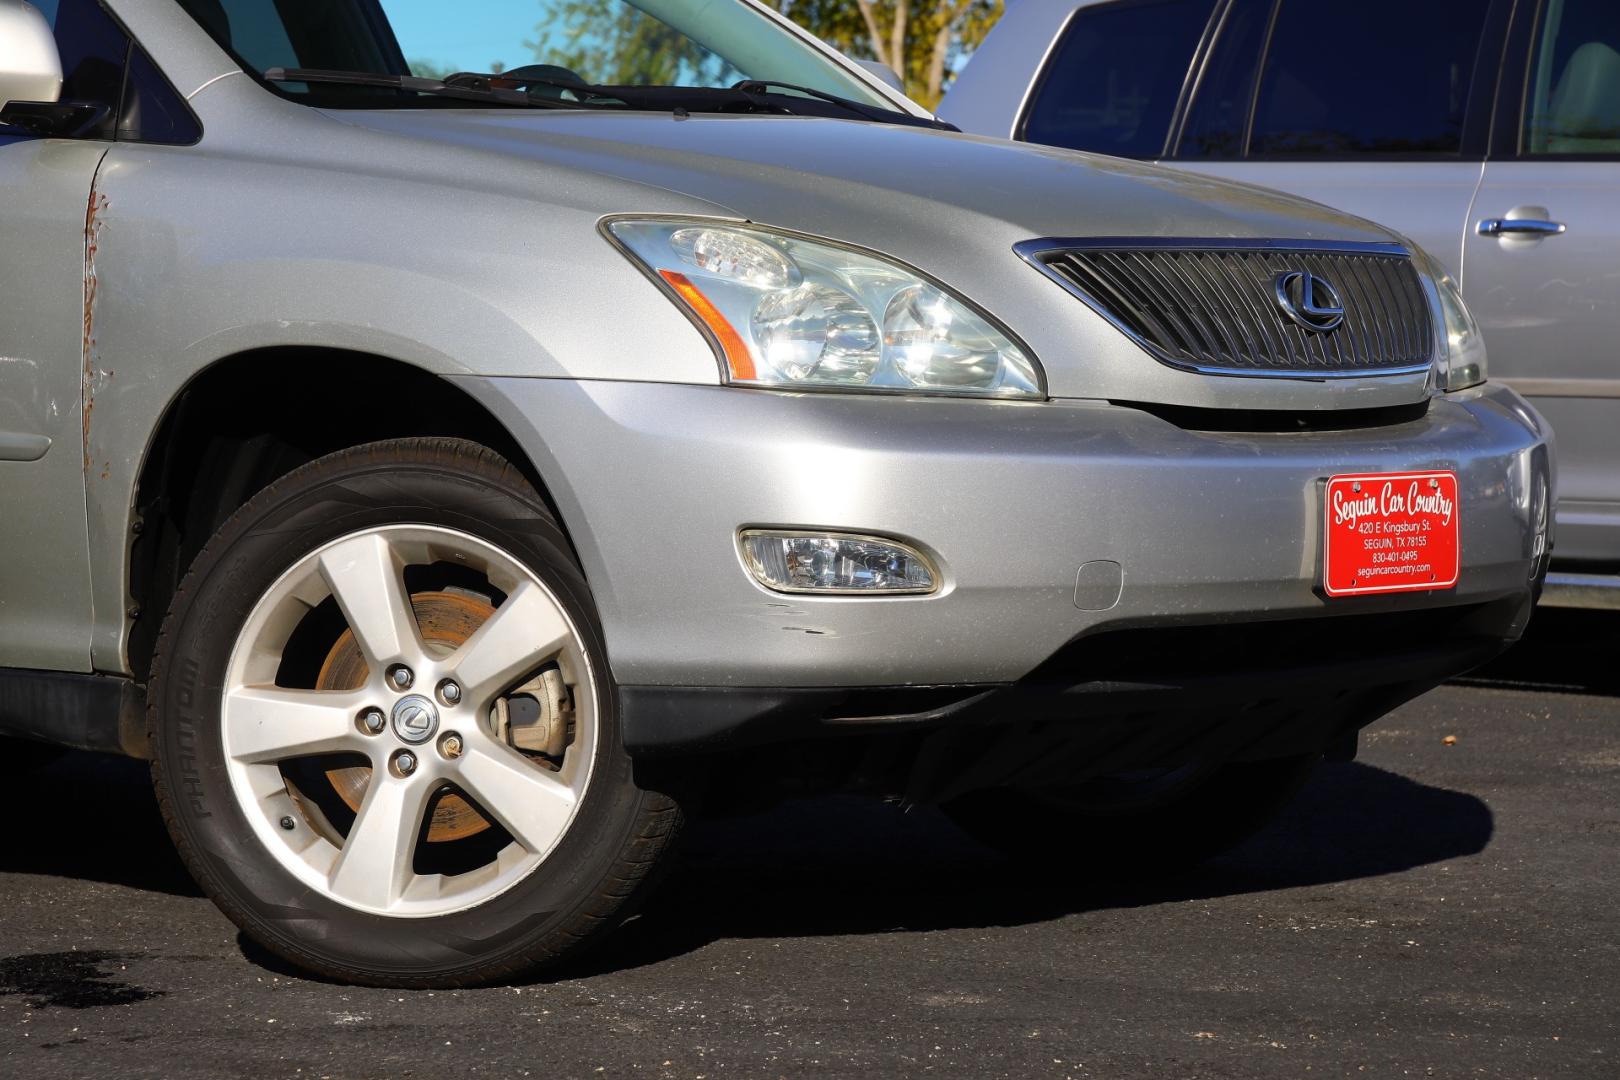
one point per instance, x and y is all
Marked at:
(689, 43)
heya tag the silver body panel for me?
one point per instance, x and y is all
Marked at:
(466, 244)
(1549, 307)
(45, 606)
(1011, 499)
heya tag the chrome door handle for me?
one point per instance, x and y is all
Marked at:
(1520, 226)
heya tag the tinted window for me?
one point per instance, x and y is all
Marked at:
(1112, 83)
(1220, 107)
(101, 65)
(1373, 77)
(92, 48)
(1574, 93)
(153, 111)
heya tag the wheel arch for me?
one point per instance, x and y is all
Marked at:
(250, 418)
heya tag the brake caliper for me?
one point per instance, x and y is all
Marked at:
(535, 717)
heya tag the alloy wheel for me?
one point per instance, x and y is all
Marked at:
(412, 721)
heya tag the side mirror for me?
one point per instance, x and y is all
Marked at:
(30, 68)
(31, 79)
(886, 74)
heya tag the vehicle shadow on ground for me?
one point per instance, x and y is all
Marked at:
(92, 817)
(1564, 651)
(825, 867)
(844, 866)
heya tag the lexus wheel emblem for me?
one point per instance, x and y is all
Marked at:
(416, 719)
(1309, 301)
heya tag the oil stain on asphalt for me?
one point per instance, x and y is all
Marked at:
(70, 980)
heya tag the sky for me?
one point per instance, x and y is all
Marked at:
(468, 35)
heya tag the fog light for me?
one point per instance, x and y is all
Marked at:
(802, 562)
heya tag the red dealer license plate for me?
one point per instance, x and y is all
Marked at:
(1391, 532)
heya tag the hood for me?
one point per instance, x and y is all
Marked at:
(846, 178)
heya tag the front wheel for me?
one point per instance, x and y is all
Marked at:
(1149, 821)
(384, 732)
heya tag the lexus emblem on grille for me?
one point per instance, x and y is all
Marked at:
(1309, 301)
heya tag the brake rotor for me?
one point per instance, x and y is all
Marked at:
(447, 620)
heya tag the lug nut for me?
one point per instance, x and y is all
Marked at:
(288, 823)
(373, 721)
(400, 677)
(450, 692)
(405, 762)
(450, 746)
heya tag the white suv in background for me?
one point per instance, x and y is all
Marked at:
(1486, 130)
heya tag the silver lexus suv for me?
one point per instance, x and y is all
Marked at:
(452, 445)
(1486, 130)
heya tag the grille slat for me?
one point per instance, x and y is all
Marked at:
(1199, 339)
(1240, 330)
(1143, 299)
(1213, 306)
(1411, 305)
(1222, 340)
(1385, 326)
(1366, 341)
(1237, 274)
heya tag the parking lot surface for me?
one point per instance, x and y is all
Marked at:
(1444, 906)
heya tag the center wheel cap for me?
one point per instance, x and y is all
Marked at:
(415, 719)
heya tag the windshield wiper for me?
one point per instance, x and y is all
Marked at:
(764, 86)
(457, 86)
(750, 95)
(879, 114)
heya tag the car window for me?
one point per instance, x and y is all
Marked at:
(101, 65)
(1112, 82)
(1373, 77)
(1573, 103)
(1219, 113)
(93, 50)
(152, 111)
(712, 44)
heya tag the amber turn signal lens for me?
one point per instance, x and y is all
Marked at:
(738, 358)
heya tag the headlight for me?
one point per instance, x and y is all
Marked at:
(793, 313)
(1462, 346)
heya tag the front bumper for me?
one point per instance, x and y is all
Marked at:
(1013, 499)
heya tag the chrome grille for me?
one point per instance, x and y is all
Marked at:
(1213, 306)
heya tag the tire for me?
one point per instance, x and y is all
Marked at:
(254, 756)
(1153, 823)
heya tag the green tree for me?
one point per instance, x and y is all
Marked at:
(922, 40)
(433, 69)
(606, 41)
(610, 41)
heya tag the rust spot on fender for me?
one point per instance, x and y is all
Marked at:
(92, 240)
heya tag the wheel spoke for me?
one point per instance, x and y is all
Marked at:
(270, 724)
(366, 577)
(532, 804)
(374, 866)
(524, 632)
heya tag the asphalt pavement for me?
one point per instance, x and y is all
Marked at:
(1445, 906)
